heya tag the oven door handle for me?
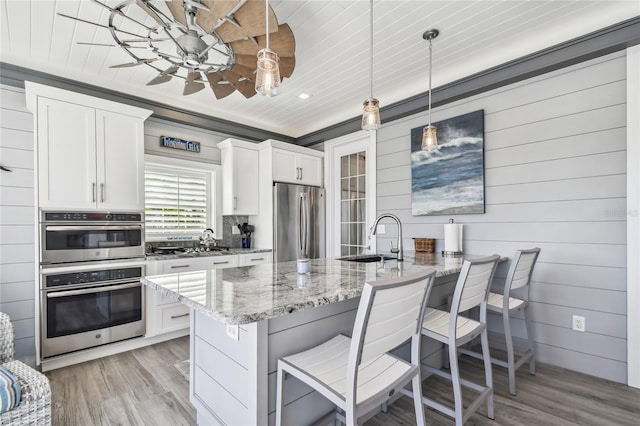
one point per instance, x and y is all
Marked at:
(91, 290)
(92, 228)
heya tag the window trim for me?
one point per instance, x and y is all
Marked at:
(214, 218)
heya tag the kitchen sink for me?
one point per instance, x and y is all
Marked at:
(367, 258)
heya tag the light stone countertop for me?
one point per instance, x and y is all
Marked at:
(249, 294)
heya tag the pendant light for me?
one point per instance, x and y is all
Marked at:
(268, 71)
(429, 133)
(371, 109)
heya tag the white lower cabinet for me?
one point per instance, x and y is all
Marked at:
(254, 258)
(164, 313)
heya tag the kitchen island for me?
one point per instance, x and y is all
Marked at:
(243, 319)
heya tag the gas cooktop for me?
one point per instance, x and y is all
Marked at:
(167, 250)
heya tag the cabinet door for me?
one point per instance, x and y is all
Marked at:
(285, 168)
(120, 161)
(240, 178)
(310, 170)
(66, 155)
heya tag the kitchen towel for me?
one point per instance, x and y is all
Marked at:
(452, 238)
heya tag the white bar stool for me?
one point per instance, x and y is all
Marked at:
(518, 279)
(358, 374)
(454, 330)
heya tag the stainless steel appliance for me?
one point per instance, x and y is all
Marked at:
(87, 236)
(90, 305)
(298, 228)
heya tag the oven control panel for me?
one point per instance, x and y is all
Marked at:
(83, 277)
(91, 217)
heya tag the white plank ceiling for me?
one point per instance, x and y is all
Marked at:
(332, 50)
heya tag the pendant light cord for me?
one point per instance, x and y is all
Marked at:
(371, 50)
(430, 44)
(266, 14)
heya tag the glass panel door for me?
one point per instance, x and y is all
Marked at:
(353, 209)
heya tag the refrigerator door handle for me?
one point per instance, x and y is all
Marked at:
(300, 224)
(307, 222)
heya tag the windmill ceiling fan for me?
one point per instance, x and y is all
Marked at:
(212, 42)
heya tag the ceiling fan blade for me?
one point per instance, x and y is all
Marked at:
(197, 5)
(192, 86)
(142, 4)
(250, 18)
(244, 71)
(133, 64)
(177, 10)
(218, 10)
(120, 13)
(244, 86)
(281, 42)
(164, 76)
(219, 90)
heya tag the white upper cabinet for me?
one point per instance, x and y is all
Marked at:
(240, 177)
(296, 167)
(90, 152)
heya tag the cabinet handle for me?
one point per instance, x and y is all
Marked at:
(179, 316)
(235, 203)
(179, 266)
(300, 173)
(102, 192)
(93, 192)
(221, 263)
(256, 259)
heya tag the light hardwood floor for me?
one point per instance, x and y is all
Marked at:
(144, 387)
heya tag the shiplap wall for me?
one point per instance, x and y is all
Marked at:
(17, 219)
(555, 177)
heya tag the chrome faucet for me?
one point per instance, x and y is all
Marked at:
(399, 250)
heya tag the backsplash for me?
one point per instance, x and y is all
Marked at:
(228, 238)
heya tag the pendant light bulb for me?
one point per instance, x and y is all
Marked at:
(371, 106)
(429, 133)
(267, 70)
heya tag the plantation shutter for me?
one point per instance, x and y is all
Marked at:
(175, 203)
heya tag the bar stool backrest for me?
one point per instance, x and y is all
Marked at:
(472, 287)
(390, 313)
(519, 274)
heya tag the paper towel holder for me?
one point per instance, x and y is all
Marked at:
(451, 253)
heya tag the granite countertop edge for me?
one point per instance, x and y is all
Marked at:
(287, 307)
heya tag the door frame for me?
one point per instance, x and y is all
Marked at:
(333, 149)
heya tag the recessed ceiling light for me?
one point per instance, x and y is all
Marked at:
(304, 96)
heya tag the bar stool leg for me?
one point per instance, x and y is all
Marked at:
(455, 381)
(529, 328)
(511, 367)
(484, 338)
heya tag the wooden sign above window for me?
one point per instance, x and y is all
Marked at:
(175, 143)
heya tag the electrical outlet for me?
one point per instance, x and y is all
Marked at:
(235, 230)
(381, 230)
(233, 332)
(578, 323)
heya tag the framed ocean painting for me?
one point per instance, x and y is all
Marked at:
(450, 178)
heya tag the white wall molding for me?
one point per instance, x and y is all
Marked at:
(633, 216)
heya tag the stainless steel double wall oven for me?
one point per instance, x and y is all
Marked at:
(90, 291)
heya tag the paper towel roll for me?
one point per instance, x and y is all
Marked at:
(452, 237)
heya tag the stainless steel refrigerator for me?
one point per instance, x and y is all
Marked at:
(298, 222)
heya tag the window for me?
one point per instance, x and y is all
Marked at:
(177, 202)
